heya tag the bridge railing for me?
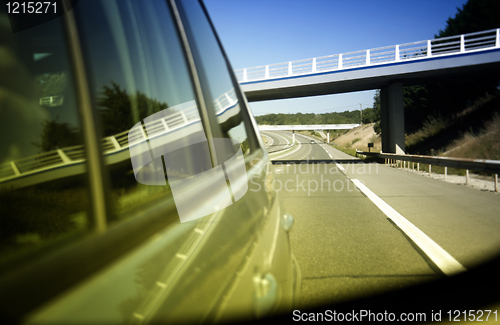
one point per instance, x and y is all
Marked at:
(409, 51)
(181, 116)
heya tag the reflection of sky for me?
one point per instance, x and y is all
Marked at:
(22, 120)
(134, 50)
(210, 54)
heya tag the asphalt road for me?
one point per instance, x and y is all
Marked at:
(348, 247)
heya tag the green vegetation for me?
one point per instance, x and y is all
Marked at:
(311, 118)
(441, 115)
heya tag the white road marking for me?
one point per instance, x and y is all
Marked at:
(436, 253)
(340, 167)
(287, 153)
(272, 141)
(307, 154)
(287, 143)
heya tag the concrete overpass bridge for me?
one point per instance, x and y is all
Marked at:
(386, 68)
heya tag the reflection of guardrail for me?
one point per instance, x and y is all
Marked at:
(112, 145)
(409, 51)
(52, 101)
(484, 165)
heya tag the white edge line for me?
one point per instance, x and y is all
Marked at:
(340, 166)
(277, 157)
(436, 253)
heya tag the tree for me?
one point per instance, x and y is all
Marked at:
(56, 135)
(117, 110)
(445, 99)
(475, 16)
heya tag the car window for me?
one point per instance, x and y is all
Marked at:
(142, 89)
(43, 191)
(221, 95)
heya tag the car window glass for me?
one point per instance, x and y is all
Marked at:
(43, 192)
(143, 91)
(221, 88)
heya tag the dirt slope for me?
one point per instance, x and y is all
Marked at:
(364, 133)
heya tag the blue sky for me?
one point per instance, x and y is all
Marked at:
(260, 32)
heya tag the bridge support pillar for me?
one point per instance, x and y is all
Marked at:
(293, 136)
(328, 136)
(393, 118)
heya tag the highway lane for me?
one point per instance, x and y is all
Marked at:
(277, 141)
(347, 246)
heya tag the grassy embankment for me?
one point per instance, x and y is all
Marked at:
(471, 133)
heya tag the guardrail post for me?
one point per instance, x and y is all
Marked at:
(217, 101)
(63, 156)
(229, 99)
(185, 118)
(429, 49)
(397, 53)
(245, 75)
(115, 142)
(14, 168)
(496, 175)
(290, 71)
(462, 43)
(430, 170)
(340, 61)
(165, 125)
(367, 57)
(498, 38)
(267, 72)
(314, 65)
(445, 172)
(418, 167)
(466, 177)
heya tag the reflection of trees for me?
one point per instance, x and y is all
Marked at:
(116, 108)
(52, 84)
(36, 214)
(57, 135)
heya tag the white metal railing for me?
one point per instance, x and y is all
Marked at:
(114, 143)
(409, 51)
(51, 101)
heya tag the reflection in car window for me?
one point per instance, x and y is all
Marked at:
(145, 98)
(222, 92)
(43, 196)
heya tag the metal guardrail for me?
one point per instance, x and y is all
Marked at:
(395, 53)
(484, 165)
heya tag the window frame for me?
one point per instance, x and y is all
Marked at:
(254, 144)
